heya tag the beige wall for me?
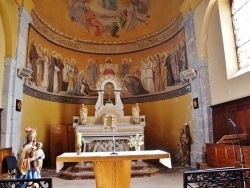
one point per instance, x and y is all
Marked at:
(164, 119)
(222, 89)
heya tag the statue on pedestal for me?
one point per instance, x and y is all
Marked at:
(83, 114)
(136, 113)
(184, 143)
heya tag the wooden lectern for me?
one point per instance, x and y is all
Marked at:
(232, 139)
(226, 152)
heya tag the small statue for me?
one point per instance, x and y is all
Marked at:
(83, 114)
(40, 156)
(184, 144)
(136, 113)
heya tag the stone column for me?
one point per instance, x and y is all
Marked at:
(13, 87)
(200, 88)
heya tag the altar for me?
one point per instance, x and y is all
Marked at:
(109, 123)
(113, 170)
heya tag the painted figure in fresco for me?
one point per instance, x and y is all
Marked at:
(82, 88)
(83, 114)
(46, 68)
(138, 13)
(65, 72)
(40, 156)
(147, 73)
(158, 81)
(106, 17)
(123, 18)
(39, 65)
(125, 67)
(170, 76)
(183, 59)
(175, 65)
(53, 76)
(136, 113)
(163, 69)
(60, 72)
(33, 56)
(137, 72)
(92, 72)
(71, 78)
(26, 156)
(78, 85)
(114, 30)
(134, 85)
(184, 143)
(75, 9)
(109, 4)
(93, 22)
(108, 67)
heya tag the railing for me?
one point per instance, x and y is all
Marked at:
(25, 183)
(219, 178)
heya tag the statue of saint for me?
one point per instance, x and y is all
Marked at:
(136, 113)
(184, 147)
(83, 114)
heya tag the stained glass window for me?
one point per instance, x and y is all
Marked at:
(241, 24)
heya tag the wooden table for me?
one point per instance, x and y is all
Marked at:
(113, 170)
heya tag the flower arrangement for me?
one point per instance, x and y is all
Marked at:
(136, 140)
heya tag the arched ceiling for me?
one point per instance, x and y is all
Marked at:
(143, 18)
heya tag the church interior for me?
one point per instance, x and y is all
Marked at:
(88, 75)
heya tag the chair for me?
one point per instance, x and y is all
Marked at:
(9, 165)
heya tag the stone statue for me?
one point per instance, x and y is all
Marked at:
(136, 113)
(83, 114)
(184, 144)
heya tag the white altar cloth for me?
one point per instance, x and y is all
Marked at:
(164, 157)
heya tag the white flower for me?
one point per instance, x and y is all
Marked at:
(137, 140)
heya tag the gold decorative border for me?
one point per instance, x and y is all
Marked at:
(186, 88)
(103, 47)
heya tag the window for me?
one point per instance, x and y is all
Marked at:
(241, 21)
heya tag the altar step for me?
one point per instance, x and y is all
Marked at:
(85, 170)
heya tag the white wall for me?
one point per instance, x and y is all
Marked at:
(222, 89)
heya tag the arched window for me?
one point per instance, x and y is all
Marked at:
(241, 27)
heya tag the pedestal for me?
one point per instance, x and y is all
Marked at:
(112, 174)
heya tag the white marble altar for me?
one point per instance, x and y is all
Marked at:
(109, 120)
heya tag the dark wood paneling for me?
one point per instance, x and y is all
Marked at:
(62, 139)
(238, 111)
(226, 155)
(4, 152)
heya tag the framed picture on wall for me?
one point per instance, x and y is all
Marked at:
(195, 103)
(18, 105)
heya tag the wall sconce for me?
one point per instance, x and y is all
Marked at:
(189, 73)
(24, 72)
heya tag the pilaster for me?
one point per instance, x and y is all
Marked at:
(200, 88)
(13, 87)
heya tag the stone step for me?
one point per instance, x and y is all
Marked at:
(85, 170)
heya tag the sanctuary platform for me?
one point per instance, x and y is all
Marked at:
(85, 170)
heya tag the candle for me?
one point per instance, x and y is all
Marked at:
(79, 139)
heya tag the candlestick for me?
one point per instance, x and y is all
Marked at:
(78, 139)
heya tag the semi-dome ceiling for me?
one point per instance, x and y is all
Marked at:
(107, 20)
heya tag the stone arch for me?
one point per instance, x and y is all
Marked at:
(204, 28)
(7, 30)
(117, 93)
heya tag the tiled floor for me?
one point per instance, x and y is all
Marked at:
(167, 180)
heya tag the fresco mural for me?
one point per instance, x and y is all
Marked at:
(105, 18)
(63, 75)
